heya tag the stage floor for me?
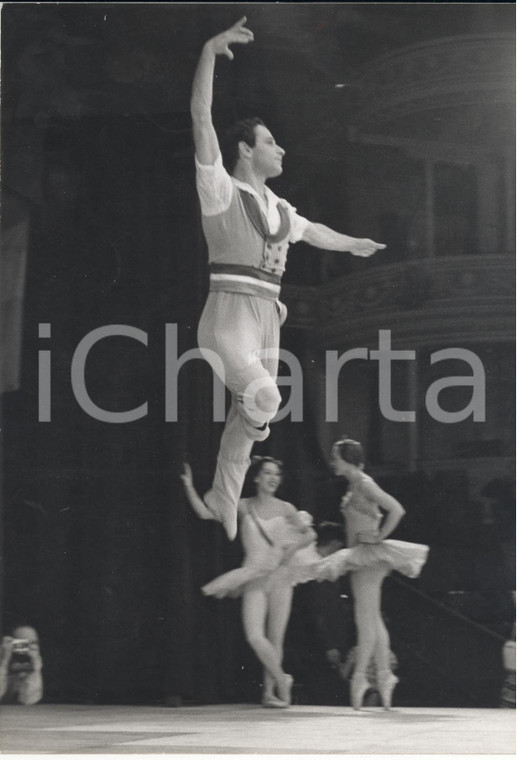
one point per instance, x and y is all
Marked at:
(249, 729)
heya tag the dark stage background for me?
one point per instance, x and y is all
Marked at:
(101, 552)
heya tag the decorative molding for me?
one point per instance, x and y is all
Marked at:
(424, 302)
(474, 467)
(434, 150)
(302, 305)
(446, 72)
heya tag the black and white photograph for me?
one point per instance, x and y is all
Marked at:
(258, 379)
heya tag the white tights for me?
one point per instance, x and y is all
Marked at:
(265, 614)
(373, 639)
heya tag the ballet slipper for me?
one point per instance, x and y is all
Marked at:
(359, 685)
(386, 682)
(274, 702)
(284, 688)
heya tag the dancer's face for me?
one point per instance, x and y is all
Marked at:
(338, 465)
(266, 155)
(269, 478)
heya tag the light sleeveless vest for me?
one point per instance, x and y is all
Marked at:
(243, 257)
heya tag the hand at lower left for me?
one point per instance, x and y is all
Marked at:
(35, 656)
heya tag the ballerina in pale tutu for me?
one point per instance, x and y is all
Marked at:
(369, 558)
(278, 543)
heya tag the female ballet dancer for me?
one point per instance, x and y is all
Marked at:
(278, 543)
(370, 558)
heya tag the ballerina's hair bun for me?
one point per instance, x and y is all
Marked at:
(350, 451)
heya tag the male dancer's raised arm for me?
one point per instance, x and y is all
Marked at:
(205, 138)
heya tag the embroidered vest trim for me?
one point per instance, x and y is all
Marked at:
(258, 220)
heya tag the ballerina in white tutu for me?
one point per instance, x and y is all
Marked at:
(370, 558)
(279, 544)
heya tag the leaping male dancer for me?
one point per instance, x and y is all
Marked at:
(248, 230)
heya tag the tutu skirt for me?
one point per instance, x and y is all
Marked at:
(260, 575)
(407, 558)
(235, 582)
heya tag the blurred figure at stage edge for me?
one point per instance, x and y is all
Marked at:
(21, 681)
(248, 230)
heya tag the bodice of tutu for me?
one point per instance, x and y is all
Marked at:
(257, 548)
(361, 513)
(261, 566)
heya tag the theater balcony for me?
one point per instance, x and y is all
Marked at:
(446, 300)
(458, 72)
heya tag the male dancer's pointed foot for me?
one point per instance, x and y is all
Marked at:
(284, 688)
(359, 685)
(386, 682)
(229, 521)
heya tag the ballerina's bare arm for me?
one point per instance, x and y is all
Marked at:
(395, 511)
(196, 502)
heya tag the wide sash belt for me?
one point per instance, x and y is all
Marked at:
(238, 278)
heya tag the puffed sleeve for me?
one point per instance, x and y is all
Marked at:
(214, 187)
(298, 223)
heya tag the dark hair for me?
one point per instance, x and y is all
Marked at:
(257, 463)
(241, 131)
(327, 532)
(350, 451)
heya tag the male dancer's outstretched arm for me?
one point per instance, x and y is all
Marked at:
(323, 237)
(205, 138)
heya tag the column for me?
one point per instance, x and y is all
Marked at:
(412, 395)
(488, 214)
(509, 204)
(429, 208)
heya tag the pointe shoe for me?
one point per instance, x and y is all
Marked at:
(284, 689)
(386, 682)
(359, 685)
(274, 702)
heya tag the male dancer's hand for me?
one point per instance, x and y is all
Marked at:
(365, 247)
(236, 34)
